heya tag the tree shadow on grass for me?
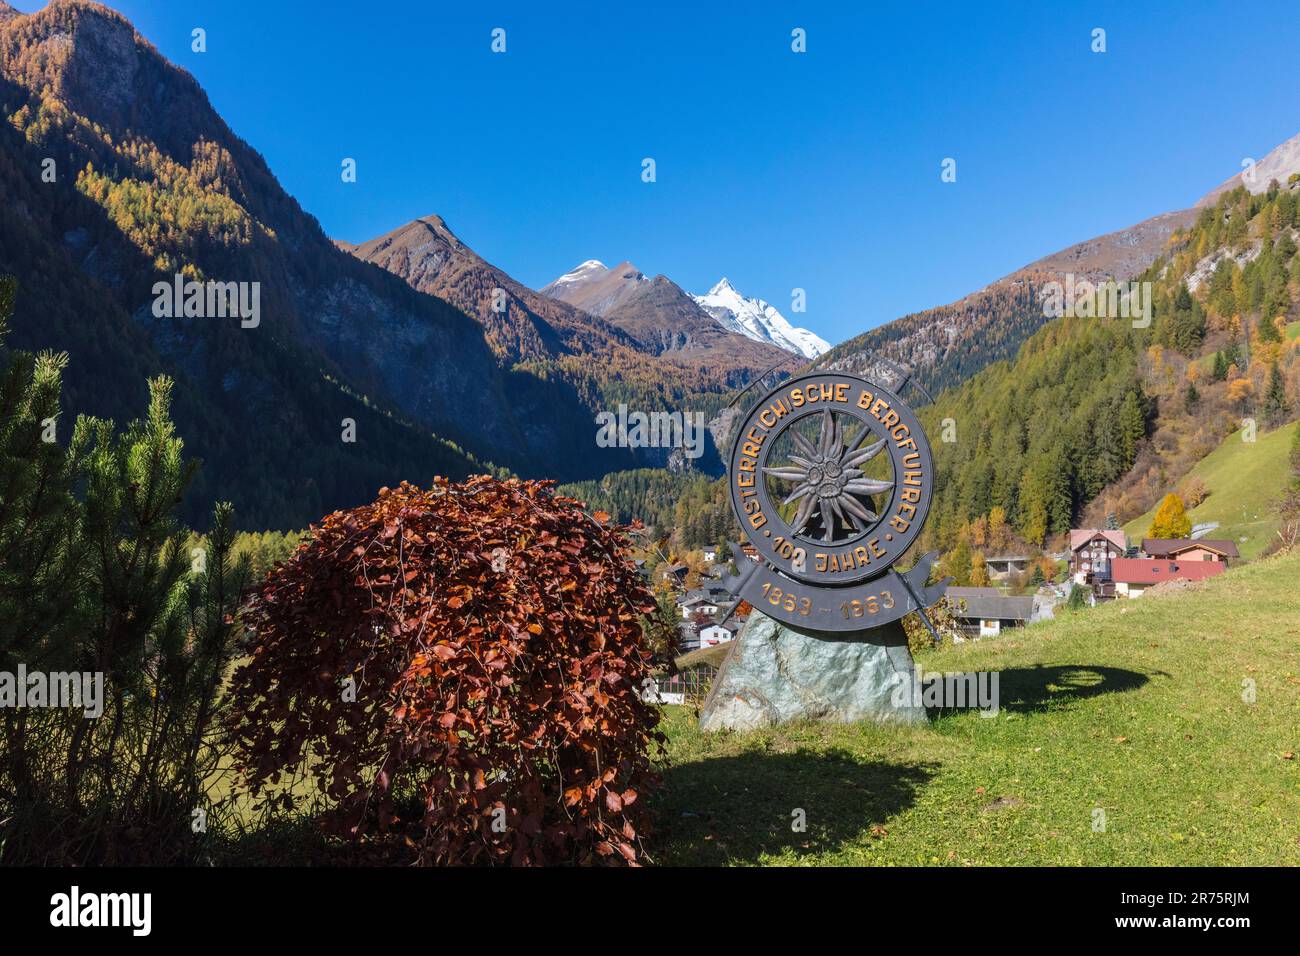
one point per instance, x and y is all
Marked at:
(739, 808)
(1039, 688)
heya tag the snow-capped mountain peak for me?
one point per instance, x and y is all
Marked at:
(588, 270)
(756, 319)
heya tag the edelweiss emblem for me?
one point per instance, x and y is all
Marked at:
(829, 479)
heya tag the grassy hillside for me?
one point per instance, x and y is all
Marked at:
(1135, 708)
(1245, 480)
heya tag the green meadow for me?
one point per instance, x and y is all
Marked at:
(1159, 731)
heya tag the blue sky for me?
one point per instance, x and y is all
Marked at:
(818, 170)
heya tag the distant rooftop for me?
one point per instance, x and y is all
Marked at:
(1168, 547)
(1081, 536)
(991, 603)
(1148, 571)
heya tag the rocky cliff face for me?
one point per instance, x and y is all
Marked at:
(520, 324)
(1278, 165)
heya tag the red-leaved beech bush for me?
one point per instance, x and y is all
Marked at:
(457, 669)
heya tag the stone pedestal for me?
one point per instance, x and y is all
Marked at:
(775, 674)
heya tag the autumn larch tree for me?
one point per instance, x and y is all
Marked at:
(1171, 520)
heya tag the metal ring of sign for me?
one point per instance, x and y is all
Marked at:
(809, 487)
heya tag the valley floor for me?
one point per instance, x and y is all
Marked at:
(1177, 715)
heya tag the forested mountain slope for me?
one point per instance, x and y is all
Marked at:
(1095, 416)
(116, 173)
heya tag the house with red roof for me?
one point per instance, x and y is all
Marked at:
(1131, 577)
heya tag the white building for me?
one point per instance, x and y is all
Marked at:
(715, 634)
(697, 605)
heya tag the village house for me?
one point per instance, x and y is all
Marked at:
(987, 611)
(1091, 552)
(716, 592)
(697, 602)
(1189, 549)
(715, 634)
(698, 661)
(1131, 577)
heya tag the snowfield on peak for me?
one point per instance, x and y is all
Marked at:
(756, 319)
(583, 271)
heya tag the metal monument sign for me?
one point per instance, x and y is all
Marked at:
(831, 477)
